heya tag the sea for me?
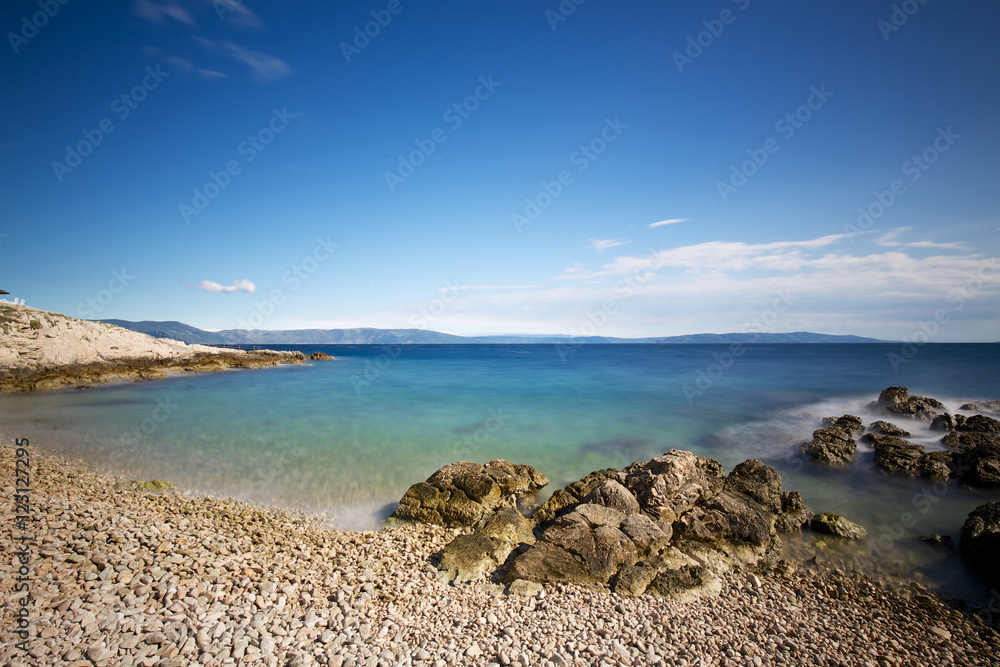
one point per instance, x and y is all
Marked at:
(345, 438)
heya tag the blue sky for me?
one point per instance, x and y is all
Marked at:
(475, 167)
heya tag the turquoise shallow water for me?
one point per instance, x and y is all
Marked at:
(348, 436)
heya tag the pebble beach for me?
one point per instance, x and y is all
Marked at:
(119, 575)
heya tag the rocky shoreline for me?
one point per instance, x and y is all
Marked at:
(44, 350)
(121, 576)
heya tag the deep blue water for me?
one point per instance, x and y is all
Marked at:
(348, 436)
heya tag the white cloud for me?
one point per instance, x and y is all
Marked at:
(263, 66)
(600, 245)
(888, 239)
(158, 12)
(216, 288)
(664, 223)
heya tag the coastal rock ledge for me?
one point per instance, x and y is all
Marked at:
(670, 527)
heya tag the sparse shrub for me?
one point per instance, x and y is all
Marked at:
(35, 324)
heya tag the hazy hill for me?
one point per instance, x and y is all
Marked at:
(369, 336)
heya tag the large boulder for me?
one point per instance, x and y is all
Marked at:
(673, 483)
(465, 494)
(614, 495)
(471, 556)
(898, 400)
(980, 540)
(794, 513)
(760, 482)
(975, 447)
(833, 446)
(588, 546)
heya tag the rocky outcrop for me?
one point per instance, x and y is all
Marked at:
(898, 400)
(946, 422)
(834, 524)
(469, 557)
(320, 356)
(465, 494)
(887, 428)
(975, 448)
(849, 423)
(980, 539)
(44, 350)
(893, 454)
(988, 407)
(670, 526)
(833, 446)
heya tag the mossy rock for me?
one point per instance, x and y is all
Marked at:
(153, 486)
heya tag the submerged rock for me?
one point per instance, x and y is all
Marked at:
(465, 494)
(898, 401)
(834, 524)
(834, 446)
(980, 540)
(991, 407)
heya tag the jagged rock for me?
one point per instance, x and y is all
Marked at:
(832, 445)
(319, 356)
(794, 513)
(833, 524)
(673, 483)
(670, 574)
(849, 423)
(978, 464)
(470, 557)
(614, 495)
(582, 547)
(945, 422)
(980, 540)
(464, 494)
(936, 466)
(888, 428)
(759, 482)
(979, 424)
(898, 400)
(895, 454)
(992, 407)
(563, 500)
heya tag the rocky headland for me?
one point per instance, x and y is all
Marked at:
(45, 350)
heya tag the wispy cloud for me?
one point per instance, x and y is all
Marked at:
(664, 223)
(216, 288)
(600, 245)
(889, 239)
(158, 12)
(262, 66)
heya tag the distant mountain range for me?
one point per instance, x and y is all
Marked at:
(366, 336)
